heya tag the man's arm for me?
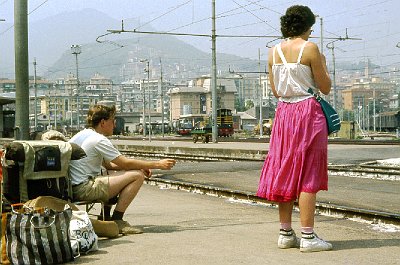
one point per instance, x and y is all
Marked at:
(110, 166)
(124, 163)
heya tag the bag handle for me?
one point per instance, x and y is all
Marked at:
(38, 221)
(16, 207)
(21, 208)
(316, 95)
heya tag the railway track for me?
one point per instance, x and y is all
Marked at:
(367, 141)
(328, 209)
(365, 170)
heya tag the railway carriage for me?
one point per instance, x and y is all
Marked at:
(203, 130)
(388, 121)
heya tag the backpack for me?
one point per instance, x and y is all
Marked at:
(36, 168)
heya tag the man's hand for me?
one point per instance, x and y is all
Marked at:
(166, 163)
(147, 173)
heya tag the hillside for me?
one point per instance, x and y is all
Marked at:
(50, 40)
(179, 59)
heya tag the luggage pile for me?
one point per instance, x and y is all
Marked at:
(40, 224)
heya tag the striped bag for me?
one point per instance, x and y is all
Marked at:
(38, 236)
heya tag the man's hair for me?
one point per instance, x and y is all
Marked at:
(297, 20)
(99, 112)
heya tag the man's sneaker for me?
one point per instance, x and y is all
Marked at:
(126, 229)
(288, 239)
(312, 243)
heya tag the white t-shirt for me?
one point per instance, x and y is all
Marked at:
(97, 148)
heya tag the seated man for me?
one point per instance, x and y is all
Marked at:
(125, 175)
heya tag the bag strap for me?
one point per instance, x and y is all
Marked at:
(316, 95)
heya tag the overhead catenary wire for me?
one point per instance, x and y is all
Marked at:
(33, 10)
(173, 9)
(208, 35)
(362, 7)
(260, 19)
(220, 15)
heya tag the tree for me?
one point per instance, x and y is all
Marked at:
(239, 105)
(249, 104)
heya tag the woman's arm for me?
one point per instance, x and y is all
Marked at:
(270, 74)
(318, 68)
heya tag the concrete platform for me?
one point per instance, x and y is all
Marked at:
(186, 228)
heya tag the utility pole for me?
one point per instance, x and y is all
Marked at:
(48, 116)
(261, 93)
(21, 131)
(147, 70)
(214, 77)
(76, 49)
(332, 47)
(35, 87)
(322, 35)
(55, 109)
(162, 99)
(144, 109)
(374, 108)
(148, 88)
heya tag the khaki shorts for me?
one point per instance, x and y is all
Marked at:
(92, 190)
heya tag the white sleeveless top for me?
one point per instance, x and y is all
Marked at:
(292, 80)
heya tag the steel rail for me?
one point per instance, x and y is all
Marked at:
(361, 169)
(322, 208)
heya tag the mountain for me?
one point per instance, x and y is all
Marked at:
(115, 56)
(50, 37)
(179, 59)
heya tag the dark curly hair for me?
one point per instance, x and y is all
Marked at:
(297, 20)
(99, 112)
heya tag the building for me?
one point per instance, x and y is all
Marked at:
(194, 101)
(363, 91)
(186, 101)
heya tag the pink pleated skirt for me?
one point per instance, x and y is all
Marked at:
(297, 159)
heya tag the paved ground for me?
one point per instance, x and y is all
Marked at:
(187, 228)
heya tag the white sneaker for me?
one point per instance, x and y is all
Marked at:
(288, 239)
(312, 243)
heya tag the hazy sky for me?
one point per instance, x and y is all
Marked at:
(373, 21)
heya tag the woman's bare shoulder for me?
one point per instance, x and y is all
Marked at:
(311, 51)
(312, 47)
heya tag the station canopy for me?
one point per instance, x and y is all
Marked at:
(7, 98)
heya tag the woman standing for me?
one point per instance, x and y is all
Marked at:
(297, 165)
